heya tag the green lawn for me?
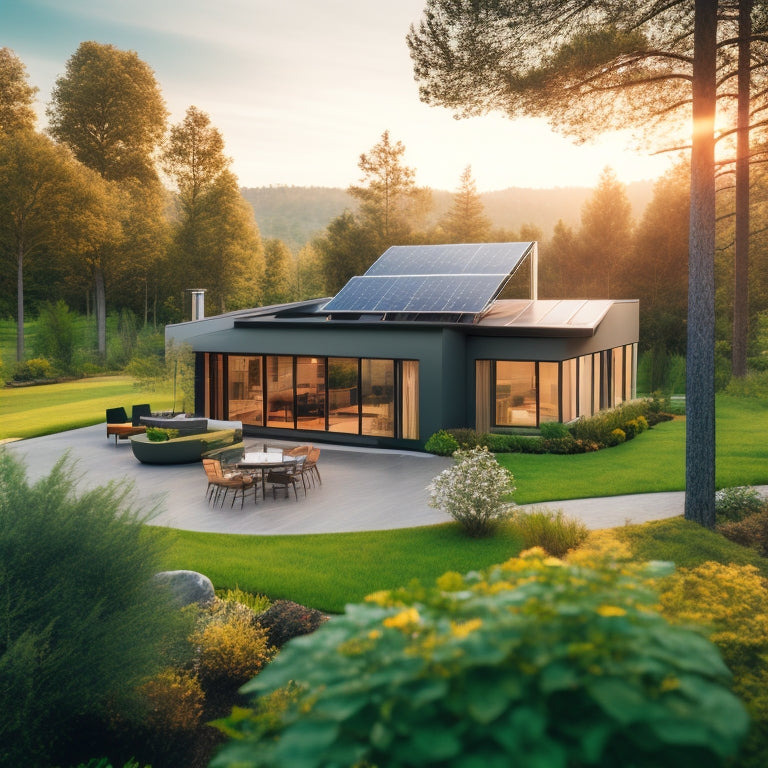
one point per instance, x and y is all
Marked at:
(50, 408)
(329, 570)
(654, 461)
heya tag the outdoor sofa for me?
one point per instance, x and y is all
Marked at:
(188, 447)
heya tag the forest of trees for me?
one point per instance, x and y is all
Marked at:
(85, 219)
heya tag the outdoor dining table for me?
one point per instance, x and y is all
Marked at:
(259, 461)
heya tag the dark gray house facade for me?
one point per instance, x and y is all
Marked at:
(421, 342)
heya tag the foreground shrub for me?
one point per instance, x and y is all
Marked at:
(531, 663)
(284, 620)
(473, 491)
(554, 532)
(82, 622)
(731, 601)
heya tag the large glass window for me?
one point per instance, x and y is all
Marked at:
(343, 395)
(378, 397)
(310, 393)
(549, 392)
(245, 389)
(280, 391)
(515, 393)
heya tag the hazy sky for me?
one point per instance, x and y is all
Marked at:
(300, 88)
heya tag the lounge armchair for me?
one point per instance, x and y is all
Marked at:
(137, 411)
(119, 425)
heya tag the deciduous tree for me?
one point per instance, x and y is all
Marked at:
(16, 94)
(108, 109)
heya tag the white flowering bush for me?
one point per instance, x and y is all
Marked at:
(474, 491)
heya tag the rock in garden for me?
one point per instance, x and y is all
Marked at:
(188, 586)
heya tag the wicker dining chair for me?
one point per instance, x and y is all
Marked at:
(219, 481)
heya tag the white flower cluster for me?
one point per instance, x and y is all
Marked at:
(473, 491)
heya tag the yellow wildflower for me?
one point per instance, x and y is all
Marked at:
(405, 620)
(450, 582)
(611, 610)
(380, 598)
(464, 628)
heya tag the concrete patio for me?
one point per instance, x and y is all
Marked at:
(362, 489)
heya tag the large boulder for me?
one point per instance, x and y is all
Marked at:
(188, 586)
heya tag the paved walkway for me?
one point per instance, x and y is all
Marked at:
(362, 490)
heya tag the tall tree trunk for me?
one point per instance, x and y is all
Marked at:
(741, 244)
(20, 305)
(100, 301)
(700, 376)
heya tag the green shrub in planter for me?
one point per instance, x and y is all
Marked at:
(161, 434)
(442, 443)
(531, 663)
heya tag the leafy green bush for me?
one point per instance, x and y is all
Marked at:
(598, 428)
(442, 443)
(754, 384)
(83, 621)
(617, 437)
(732, 504)
(507, 443)
(554, 430)
(554, 532)
(473, 491)
(285, 620)
(531, 663)
(466, 437)
(36, 369)
(257, 603)
(57, 335)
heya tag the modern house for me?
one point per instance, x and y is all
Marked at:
(421, 341)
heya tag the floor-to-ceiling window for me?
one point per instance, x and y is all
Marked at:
(515, 388)
(245, 389)
(343, 395)
(529, 393)
(356, 396)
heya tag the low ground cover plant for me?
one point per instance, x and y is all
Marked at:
(534, 662)
(552, 530)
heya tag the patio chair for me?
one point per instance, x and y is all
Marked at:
(219, 481)
(309, 468)
(138, 411)
(120, 426)
(282, 479)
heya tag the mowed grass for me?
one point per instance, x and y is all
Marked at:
(330, 570)
(652, 462)
(49, 408)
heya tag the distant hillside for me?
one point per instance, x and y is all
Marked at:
(296, 214)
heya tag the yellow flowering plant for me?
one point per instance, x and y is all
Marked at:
(535, 662)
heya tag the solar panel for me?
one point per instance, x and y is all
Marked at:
(462, 258)
(416, 293)
(458, 279)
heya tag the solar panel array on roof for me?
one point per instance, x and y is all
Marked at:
(459, 279)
